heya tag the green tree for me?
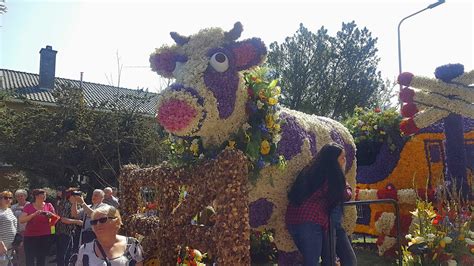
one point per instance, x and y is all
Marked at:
(60, 144)
(326, 75)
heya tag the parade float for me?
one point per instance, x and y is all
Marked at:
(239, 152)
(435, 149)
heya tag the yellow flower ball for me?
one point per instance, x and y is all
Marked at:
(269, 121)
(231, 144)
(472, 250)
(272, 101)
(265, 147)
(194, 148)
(442, 244)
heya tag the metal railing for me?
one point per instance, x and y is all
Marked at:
(368, 202)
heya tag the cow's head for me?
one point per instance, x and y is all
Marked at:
(208, 98)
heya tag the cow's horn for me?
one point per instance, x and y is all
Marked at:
(179, 39)
(235, 32)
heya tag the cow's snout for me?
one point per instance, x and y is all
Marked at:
(180, 110)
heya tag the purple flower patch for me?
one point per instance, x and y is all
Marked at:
(224, 87)
(292, 138)
(381, 169)
(260, 211)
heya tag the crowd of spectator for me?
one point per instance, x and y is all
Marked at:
(83, 234)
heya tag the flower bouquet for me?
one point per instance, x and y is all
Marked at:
(372, 128)
(441, 232)
(262, 247)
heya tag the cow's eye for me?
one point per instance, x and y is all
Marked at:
(219, 62)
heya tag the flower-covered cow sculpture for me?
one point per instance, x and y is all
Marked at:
(208, 100)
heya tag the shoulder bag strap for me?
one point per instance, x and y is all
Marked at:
(102, 252)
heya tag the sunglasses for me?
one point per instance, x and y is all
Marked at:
(7, 198)
(102, 220)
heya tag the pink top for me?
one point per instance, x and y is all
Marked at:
(39, 225)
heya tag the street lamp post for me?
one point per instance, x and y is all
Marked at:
(399, 24)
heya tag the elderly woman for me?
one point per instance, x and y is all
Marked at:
(37, 236)
(109, 248)
(21, 197)
(8, 224)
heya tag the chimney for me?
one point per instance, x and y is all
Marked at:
(47, 67)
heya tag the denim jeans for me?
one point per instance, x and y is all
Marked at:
(343, 246)
(308, 237)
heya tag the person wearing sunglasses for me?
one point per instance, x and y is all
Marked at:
(37, 237)
(109, 248)
(8, 225)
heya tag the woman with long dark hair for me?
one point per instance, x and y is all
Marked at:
(316, 191)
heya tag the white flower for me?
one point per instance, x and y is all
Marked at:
(246, 126)
(452, 263)
(195, 141)
(447, 240)
(260, 104)
(419, 239)
(276, 138)
(409, 237)
(430, 237)
(469, 241)
(375, 127)
(471, 234)
(201, 156)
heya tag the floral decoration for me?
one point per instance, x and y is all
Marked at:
(262, 247)
(442, 232)
(374, 125)
(190, 257)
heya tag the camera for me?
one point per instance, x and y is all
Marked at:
(76, 193)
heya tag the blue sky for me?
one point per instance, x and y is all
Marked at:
(88, 34)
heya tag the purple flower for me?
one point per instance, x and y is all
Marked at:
(260, 211)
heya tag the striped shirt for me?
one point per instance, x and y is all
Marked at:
(8, 226)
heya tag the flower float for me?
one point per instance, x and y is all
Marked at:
(222, 101)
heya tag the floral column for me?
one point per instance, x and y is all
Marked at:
(450, 97)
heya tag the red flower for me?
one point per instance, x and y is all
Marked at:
(390, 192)
(408, 127)
(409, 110)
(377, 110)
(406, 95)
(422, 194)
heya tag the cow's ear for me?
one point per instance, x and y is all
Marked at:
(249, 53)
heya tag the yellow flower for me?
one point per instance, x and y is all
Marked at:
(461, 237)
(472, 250)
(261, 94)
(269, 121)
(442, 244)
(231, 144)
(272, 101)
(265, 147)
(194, 148)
